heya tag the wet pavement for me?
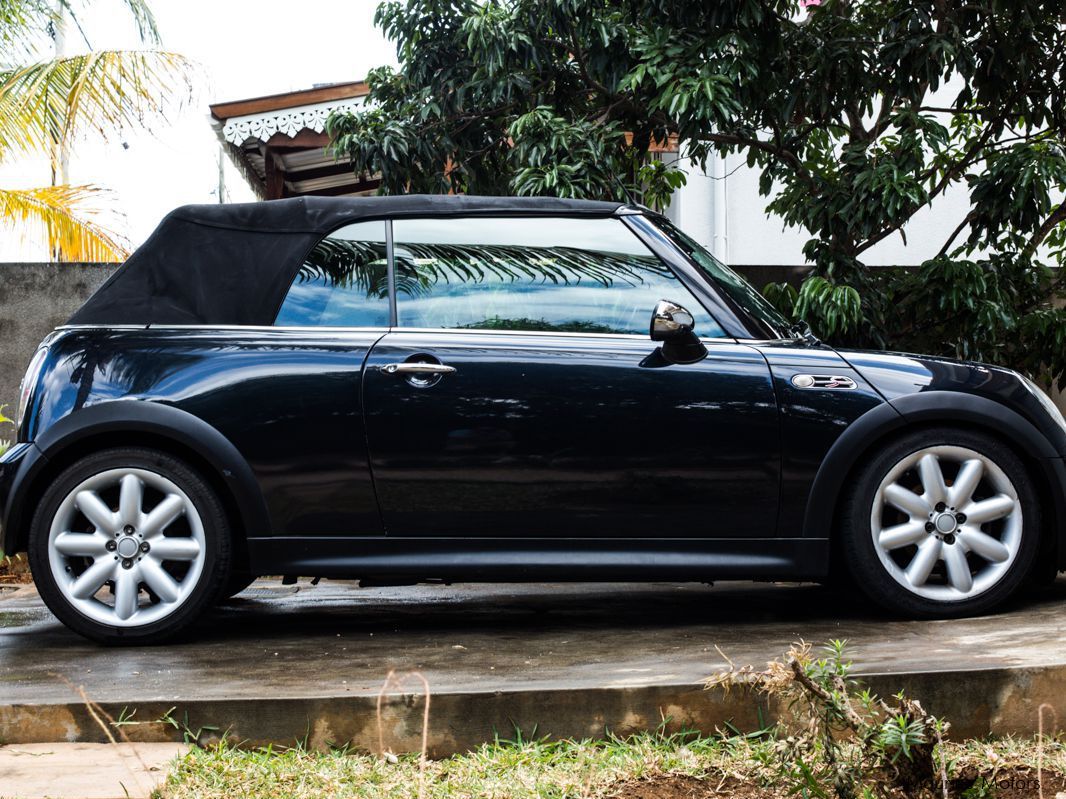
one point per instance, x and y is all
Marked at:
(336, 640)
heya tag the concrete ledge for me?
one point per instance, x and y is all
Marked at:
(281, 665)
(978, 703)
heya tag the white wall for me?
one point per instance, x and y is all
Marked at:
(751, 236)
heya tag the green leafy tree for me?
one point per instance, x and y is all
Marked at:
(857, 114)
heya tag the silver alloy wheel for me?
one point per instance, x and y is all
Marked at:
(972, 524)
(118, 565)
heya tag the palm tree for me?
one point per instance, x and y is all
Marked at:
(48, 100)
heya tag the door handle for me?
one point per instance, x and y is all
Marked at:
(417, 369)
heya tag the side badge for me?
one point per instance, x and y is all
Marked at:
(823, 381)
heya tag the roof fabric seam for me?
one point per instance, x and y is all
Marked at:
(396, 215)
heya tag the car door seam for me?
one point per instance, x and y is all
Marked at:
(366, 429)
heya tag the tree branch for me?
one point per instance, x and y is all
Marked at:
(765, 146)
(950, 176)
(579, 58)
(843, 705)
(955, 234)
(1057, 217)
(948, 110)
(884, 117)
(855, 127)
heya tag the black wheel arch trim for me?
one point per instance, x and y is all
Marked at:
(15, 477)
(137, 416)
(944, 407)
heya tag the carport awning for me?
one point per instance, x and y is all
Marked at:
(278, 142)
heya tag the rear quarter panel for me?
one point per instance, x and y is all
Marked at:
(287, 400)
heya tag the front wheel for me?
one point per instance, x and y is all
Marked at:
(129, 546)
(942, 522)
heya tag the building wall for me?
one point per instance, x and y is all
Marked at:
(722, 209)
(35, 298)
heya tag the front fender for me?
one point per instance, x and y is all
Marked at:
(934, 407)
(121, 418)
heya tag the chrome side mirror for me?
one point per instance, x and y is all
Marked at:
(673, 325)
(669, 321)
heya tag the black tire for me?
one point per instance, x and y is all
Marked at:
(238, 581)
(217, 550)
(861, 556)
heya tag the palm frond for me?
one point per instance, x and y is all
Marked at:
(64, 217)
(145, 19)
(55, 101)
(23, 25)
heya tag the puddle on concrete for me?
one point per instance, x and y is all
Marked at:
(267, 593)
(10, 618)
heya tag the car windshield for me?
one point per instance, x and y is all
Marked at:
(737, 288)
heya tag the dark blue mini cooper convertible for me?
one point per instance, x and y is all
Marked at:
(418, 388)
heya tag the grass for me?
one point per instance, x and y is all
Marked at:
(542, 769)
(1007, 754)
(503, 769)
(836, 739)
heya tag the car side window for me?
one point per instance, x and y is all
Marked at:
(557, 274)
(342, 283)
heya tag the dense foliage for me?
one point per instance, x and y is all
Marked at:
(857, 113)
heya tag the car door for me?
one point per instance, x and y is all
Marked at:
(519, 394)
(294, 407)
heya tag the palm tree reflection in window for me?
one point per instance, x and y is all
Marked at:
(342, 283)
(488, 287)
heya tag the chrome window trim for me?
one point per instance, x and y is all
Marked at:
(101, 327)
(390, 272)
(549, 333)
(382, 330)
(486, 331)
(265, 328)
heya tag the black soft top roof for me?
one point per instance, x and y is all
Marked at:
(232, 264)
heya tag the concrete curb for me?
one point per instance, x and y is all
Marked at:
(996, 701)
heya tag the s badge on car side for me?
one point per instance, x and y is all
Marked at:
(823, 381)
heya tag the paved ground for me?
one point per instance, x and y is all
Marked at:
(84, 771)
(280, 660)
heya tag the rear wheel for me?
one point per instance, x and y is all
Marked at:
(941, 523)
(129, 546)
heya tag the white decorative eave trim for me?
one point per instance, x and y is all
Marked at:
(290, 121)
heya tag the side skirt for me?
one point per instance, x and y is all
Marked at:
(542, 559)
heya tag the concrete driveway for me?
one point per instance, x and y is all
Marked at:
(284, 662)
